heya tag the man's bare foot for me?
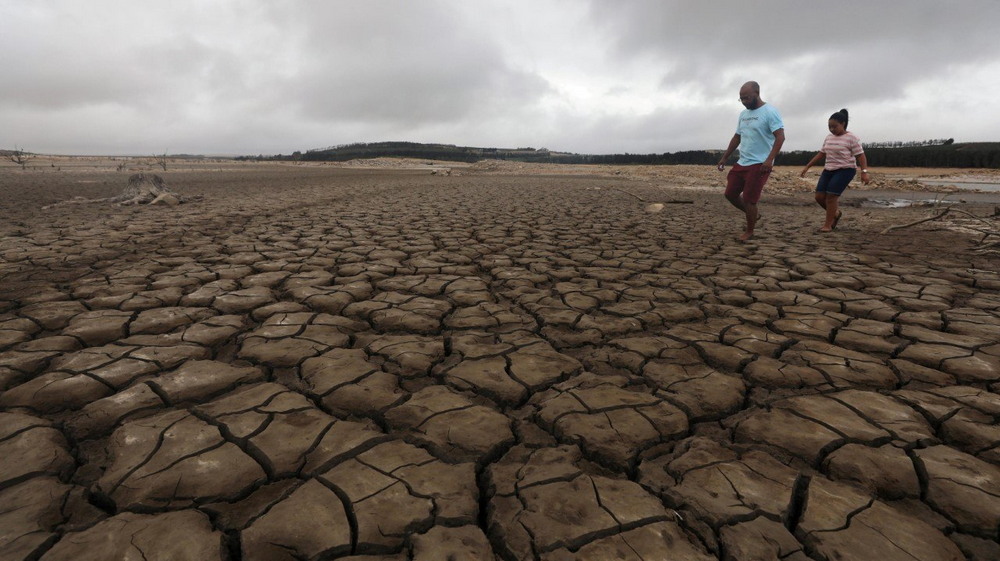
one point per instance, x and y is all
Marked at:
(836, 219)
(746, 236)
(755, 222)
(824, 230)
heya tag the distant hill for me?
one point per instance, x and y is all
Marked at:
(453, 153)
(910, 154)
(447, 152)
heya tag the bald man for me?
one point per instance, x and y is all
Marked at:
(759, 136)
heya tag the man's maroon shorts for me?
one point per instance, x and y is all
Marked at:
(748, 180)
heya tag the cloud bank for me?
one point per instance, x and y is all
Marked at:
(227, 77)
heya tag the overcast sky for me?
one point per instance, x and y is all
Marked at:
(600, 76)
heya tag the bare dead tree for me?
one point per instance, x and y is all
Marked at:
(161, 160)
(20, 157)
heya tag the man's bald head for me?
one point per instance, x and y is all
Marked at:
(750, 95)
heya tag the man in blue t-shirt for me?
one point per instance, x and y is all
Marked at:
(759, 136)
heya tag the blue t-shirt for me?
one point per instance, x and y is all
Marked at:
(756, 129)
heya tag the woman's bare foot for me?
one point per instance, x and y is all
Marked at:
(836, 219)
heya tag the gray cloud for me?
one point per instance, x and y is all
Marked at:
(409, 63)
(846, 52)
(639, 76)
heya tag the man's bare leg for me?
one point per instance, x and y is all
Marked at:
(737, 201)
(750, 209)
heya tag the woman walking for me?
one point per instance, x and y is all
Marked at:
(841, 149)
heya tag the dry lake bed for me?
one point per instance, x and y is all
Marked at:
(490, 362)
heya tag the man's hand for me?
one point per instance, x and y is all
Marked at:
(767, 166)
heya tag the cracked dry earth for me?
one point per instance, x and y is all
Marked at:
(387, 365)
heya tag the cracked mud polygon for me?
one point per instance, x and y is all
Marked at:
(325, 363)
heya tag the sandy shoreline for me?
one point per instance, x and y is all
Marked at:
(406, 360)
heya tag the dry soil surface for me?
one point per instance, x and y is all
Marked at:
(426, 362)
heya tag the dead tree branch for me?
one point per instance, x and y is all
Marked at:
(142, 189)
(991, 229)
(642, 200)
(979, 218)
(20, 157)
(921, 221)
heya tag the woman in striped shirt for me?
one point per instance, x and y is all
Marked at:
(841, 149)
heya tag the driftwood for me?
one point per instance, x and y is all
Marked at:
(984, 245)
(921, 221)
(642, 200)
(142, 189)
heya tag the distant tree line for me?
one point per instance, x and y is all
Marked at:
(909, 143)
(452, 153)
(943, 154)
(359, 150)
(695, 157)
(926, 153)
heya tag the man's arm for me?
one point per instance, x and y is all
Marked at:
(779, 139)
(733, 145)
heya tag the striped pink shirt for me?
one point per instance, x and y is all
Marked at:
(841, 150)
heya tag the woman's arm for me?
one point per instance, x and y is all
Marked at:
(815, 160)
(863, 164)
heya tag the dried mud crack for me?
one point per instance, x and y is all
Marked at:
(334, 363)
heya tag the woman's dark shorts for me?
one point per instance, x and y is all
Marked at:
(835, 181)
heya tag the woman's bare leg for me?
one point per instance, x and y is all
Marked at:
(832, 206)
